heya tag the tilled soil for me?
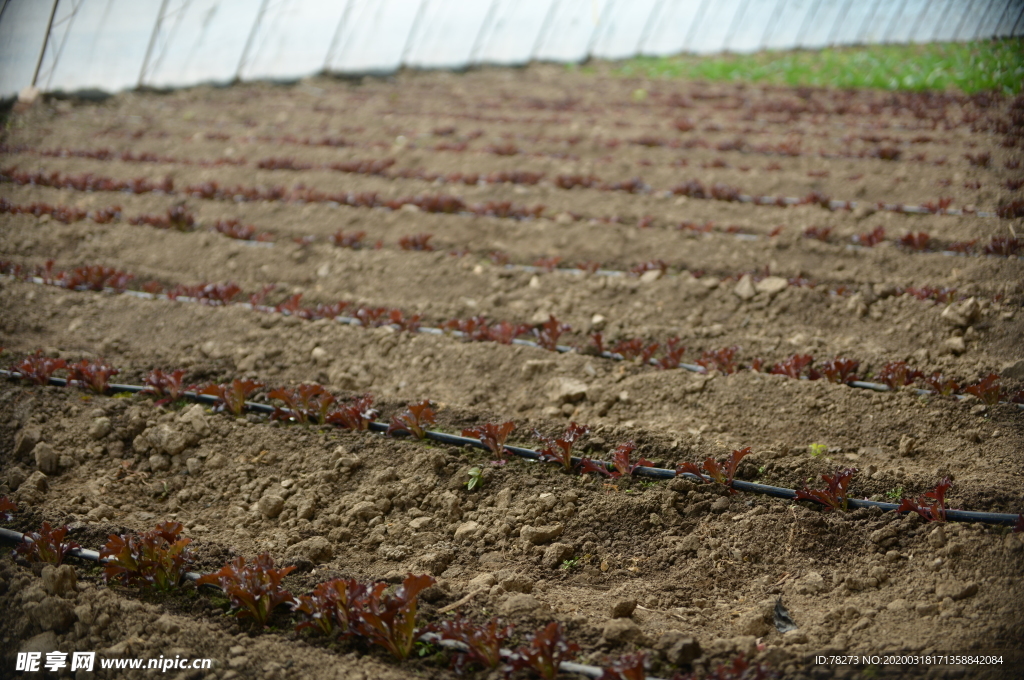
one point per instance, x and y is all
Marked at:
(699, 563)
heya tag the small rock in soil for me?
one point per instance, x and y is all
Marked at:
(677, 648)
(956, 590)
(26, 440)
(42, 643)
(316, 550)
(954, 345)
(541, 535)
(52, 613)
(271, 506)
(623, 609)
(772, 285)
(744, 289)
(46, 458)
(100, 428)
(467, 531)
(555, 554)
(620, 631)
(566, 390)
(60, 581)
(523, 605)
(196, 417)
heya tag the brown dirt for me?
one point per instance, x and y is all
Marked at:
(696, 561)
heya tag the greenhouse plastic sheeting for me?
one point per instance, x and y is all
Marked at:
(75, 45)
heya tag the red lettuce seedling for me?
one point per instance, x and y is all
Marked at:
(870, 239)
(92, 375)
(897, 374)
(560, 450)
(353, 240)
(355, 416)
(722, 360)
(932, 505)
(545, 651)
(840, 370)
(7, 509)
(409, 324)
(414, 419)
(673, 355)
(419, 242)
(627, 667)
(483, 641)
(328, 608)
(306, 403)
(987, 389)
(795, 366)
(1007, 245)
(717, 472)
(504, 332)
(835, 495)
(241, 232)
(493, 437)
(95, 278)
(390, 620)
(915, 241)
(207, 293)
(818, 233)
(166, 385)
(549, 332)
(232, 396)
(370, 317)
(548, 264)
(650, 265)
(621, 459)
(155, 559)
(941, 384)
(47, 545)
(254, 589)
(37, 368)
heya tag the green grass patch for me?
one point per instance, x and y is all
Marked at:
(967, 67)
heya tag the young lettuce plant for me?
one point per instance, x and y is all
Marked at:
(47, 545)
(897, 374)
(7, 509)
(559, 450)
(233, 395)
(835, 495)
(544, 652)
(329, 607)
(717, 472)
(483, 641)
(254, 589)
(493, 437)
(840, 370)
(621, 459)
(414, 420)
(92, 375)
(389, 620)
(166, 386)
(354, 416)
(627, 667)
(37, 368)
(548, 333)
(932, 505)
(987, 389)
(307, 404)
(153, 559)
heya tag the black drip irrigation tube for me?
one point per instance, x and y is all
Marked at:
(999, 518)
(596, 672)
(561, 349)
